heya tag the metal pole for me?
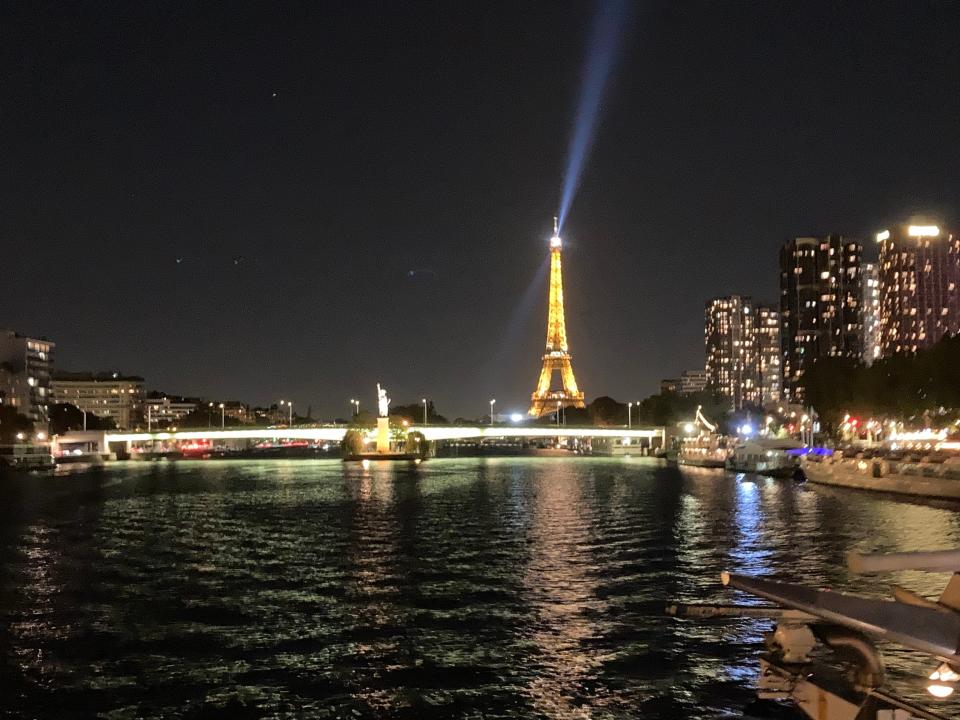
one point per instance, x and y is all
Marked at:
(491, 411)
(223, 419)
(629, 419)
(424, 411)
(290, 412)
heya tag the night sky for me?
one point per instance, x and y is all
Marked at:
(364, 192)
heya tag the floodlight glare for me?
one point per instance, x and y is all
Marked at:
(923, 231)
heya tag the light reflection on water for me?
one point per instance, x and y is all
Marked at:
(463, 588)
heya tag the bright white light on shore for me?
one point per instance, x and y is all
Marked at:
(923, 231)
(688, 428)
(555, 241)
(746, 429)
(516, 417)
(881, 236)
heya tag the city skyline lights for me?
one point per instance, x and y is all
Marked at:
(286, 200)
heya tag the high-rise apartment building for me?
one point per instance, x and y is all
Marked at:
(870, 305)
(730, 343)
(919, 274)
(769, 375)
(820, 305)
(743, 350)
(27, 365)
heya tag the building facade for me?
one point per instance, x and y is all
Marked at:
(871, 312)
(14, 390)
(106, 395)
(768, 369)
(730, 344)
(239, 411)
(743, 350)
(919, 274)
(165, 410)
(689, 382)
(693, 381)
(28, 367)
(820, 305)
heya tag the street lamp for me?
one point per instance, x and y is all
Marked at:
(424, 401)
(209, 415)
(491, 410)
(289, 404)
(629, 418)
(558, 413)
(223, 419)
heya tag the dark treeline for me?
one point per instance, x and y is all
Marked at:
(666, 408)
(902, 386)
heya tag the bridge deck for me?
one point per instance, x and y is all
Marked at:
(336, 433)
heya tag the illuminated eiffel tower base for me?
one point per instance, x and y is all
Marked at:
(557, 358)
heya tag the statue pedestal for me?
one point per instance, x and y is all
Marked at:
(383, 435)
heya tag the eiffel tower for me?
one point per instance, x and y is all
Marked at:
(557, 357)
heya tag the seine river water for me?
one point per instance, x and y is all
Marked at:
(475, 588)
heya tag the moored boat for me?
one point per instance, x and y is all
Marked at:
(707, 448)
(25, 457)
(776, 457)
(704, 451)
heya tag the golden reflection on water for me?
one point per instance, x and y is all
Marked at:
(557, 580)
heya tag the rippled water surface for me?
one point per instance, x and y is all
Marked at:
(484, 588)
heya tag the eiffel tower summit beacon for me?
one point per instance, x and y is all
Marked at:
(557, 358)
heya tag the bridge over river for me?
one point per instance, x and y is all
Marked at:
(103, 442)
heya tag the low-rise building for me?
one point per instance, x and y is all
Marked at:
(670, 385)
(161, 410)
(238, 411)
(107, 395)
(693, 381)
(689, 382)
